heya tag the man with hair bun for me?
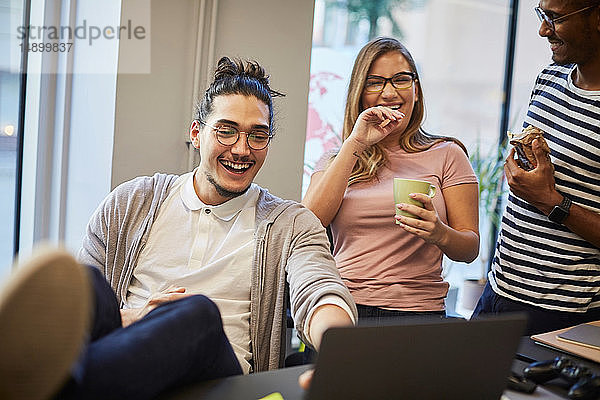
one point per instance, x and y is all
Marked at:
(193, 272)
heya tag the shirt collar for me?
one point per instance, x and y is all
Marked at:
(225, 211)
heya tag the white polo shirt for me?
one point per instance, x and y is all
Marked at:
(206, 249)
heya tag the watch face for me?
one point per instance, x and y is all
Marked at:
(557, 215)
(560, 212)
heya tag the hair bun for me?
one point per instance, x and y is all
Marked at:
(228, 68)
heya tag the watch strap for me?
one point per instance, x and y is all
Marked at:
(561, 211)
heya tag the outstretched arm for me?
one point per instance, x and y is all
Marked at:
(325, 317)
(318, 297)
(327, 188)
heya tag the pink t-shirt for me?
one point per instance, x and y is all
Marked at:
(382, 264)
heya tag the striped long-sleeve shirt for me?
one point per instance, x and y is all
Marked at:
(537, 261)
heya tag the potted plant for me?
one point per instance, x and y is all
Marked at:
(489, 169)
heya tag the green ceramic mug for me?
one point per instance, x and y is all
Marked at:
(404, 187)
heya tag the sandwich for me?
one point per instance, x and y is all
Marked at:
(522, 143)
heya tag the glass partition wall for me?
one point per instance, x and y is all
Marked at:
(11, 15)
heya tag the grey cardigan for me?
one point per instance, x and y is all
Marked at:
(290, 244)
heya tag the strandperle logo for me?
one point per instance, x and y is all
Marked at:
(83, 31)
(93, 41)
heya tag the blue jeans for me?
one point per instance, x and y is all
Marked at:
(539, 319)
(175, 344)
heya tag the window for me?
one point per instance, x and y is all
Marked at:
(11, 15)
(532, 54)
(459, 47)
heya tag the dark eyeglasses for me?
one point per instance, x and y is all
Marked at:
(228, 135)
(401, 80)
(551, 21)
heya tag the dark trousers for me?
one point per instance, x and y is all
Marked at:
(175, 344)
(539, 319)
(373, 314)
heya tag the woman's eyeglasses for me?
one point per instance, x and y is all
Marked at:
(402, 80)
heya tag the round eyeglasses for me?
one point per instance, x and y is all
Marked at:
(401, 80)
(551, 21)
(228, 135)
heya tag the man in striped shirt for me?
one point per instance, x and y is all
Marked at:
(547, 259)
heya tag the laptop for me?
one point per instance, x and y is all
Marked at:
(429, 359)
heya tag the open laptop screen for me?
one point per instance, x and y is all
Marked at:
(441, 359)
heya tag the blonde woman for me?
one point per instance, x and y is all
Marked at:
(394, 269)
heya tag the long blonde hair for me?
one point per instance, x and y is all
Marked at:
(413, 140)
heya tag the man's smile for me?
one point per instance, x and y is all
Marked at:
(236, 167)
(555, 44)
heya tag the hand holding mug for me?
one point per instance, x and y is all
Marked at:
(415, 212)
(403, 188)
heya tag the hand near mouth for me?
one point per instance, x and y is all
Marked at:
(374, 124)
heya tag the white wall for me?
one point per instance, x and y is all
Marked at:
(278, 34)
(153, 110)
